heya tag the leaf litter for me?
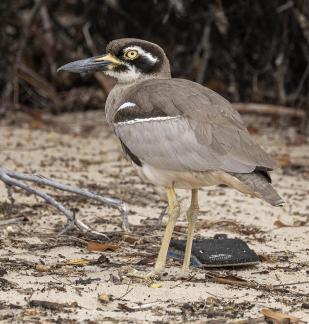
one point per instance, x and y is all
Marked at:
(39, 267)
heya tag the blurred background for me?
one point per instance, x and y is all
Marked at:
(249, 51)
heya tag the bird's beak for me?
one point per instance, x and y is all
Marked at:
(93, 64)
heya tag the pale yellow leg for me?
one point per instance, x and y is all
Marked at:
(173, 213)
(192, 217)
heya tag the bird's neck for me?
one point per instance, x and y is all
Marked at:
(121, 89)
(115, 97)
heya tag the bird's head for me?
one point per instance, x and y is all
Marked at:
(127, 59)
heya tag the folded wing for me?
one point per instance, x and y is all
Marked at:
(179, 125)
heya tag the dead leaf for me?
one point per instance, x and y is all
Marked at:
(130, 239)
(229, 279)
(280, 224)
(103, 259)
(212, 300)
(42, 268)
(273, 258)
(79, 262)
(305, 305)
(149, 260)
(233, 278)
(253, 130)
(125, 308)
(104, 298)
(284, 160)
(156, 285)
(47, 305)
(278, 317)
(31, 312)
(97, 246)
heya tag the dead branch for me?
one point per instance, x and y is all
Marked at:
(15, 220)
(42, 86)
(48, 31)
(202, 53)
(11, 178)
(268, 109)
(106, 82)
(22, 46)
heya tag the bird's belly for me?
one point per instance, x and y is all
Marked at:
(178, 179)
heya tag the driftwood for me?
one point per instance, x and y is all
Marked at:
(16, 179)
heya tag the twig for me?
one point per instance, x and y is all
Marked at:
(15, 220)
(10, 194)
(136, 308)
(223, 280)
(88, 38)
(45, 18)
(126, 293)
(291, 284)
(11, 178)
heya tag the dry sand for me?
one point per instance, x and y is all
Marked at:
(79, 149)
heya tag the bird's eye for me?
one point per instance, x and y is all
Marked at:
(131, 54)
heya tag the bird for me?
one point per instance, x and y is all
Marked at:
(177, 133)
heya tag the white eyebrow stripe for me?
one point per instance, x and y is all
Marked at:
(126, 105)
(142, 120)
(150, 57)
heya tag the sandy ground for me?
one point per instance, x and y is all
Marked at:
(37, 266)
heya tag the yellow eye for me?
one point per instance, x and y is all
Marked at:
(131, 54)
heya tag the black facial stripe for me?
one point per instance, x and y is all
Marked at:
(120, 68)
(146, 65)
(130, 113)
(142, 62)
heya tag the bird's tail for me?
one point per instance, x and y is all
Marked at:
(261, 187)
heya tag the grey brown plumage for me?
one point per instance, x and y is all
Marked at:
(206, 133)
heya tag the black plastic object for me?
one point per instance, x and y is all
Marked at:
(219, 251)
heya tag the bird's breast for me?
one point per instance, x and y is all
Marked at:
(178, 179)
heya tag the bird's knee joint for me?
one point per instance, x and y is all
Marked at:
(192, 213)
(174, 209)
(193, 210)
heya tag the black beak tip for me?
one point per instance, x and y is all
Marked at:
(84, 66)
(70, 67)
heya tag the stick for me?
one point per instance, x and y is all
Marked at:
(15, 220)
(10, 178)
